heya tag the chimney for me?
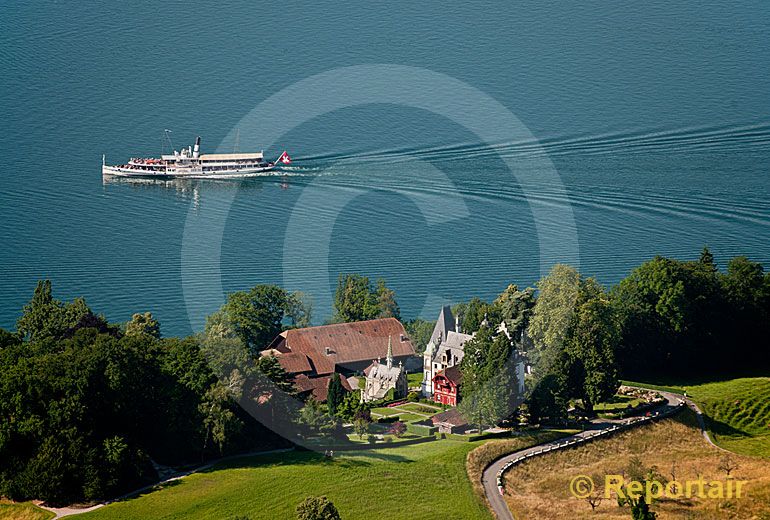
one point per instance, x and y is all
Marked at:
(457, 324)
(197, 149)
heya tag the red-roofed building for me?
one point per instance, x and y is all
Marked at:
(446, 386)
(347, 348)
(317, 387)
(342, 347)
(450, 421)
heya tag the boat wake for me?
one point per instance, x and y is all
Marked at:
(693, 139)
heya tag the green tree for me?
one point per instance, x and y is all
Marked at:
(419, 332)
(43, 316)
(672, 318)
(474, 312)
(8, 338)
(317, 508)
(487, 403)
(516, 309)
(589, 358)
(744, 284)
(314, 420)
(143, 323)
(640, 508)
(361, 421)
(547, 400)
(489, 386)
(356, 300)
(335, 395)
(299, 309)
(555, 306)
(352, 406)
(46, 317)
(218, 420)
(386, 301)
(256, 316)
(218, 325)
(707, 260)
(271, 368)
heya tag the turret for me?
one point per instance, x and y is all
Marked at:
(197, 149)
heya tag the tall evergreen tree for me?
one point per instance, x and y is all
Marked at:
(336, 394)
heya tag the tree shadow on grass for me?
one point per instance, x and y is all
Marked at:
(146, 491)
(299, 457)
(723, 429)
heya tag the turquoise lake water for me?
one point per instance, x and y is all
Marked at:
(647, 124)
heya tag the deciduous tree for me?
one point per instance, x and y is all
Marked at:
(317, 508)
(143, 323)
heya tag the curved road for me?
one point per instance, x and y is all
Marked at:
(599, 427)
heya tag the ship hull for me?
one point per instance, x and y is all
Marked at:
(241, 173)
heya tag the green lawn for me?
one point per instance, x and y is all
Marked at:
(410, 417)
(421, 408)
(405, 412)
(414, 379)
(618, 403)
(737, 412)
(384, 411)
(426, 481)
(661, 388)
(23, 511)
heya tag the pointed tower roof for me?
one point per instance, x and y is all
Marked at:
(389, 358)
(444, 324)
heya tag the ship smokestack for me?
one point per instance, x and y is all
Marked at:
(197, 149)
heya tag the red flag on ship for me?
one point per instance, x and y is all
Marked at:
(284, 158)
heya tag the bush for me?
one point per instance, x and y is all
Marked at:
(317, 508)
(398, 429)
(423, 430)
(413, 397)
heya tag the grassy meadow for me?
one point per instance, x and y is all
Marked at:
(22, 511)
(737, 412)
(539, 488)
(425, 481)
(438, 479)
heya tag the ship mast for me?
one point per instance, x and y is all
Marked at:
(166, 137)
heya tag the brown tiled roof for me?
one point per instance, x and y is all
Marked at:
(295, 362)
(451, 416)
(317, 386)
(342, 343)
(453, 374)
